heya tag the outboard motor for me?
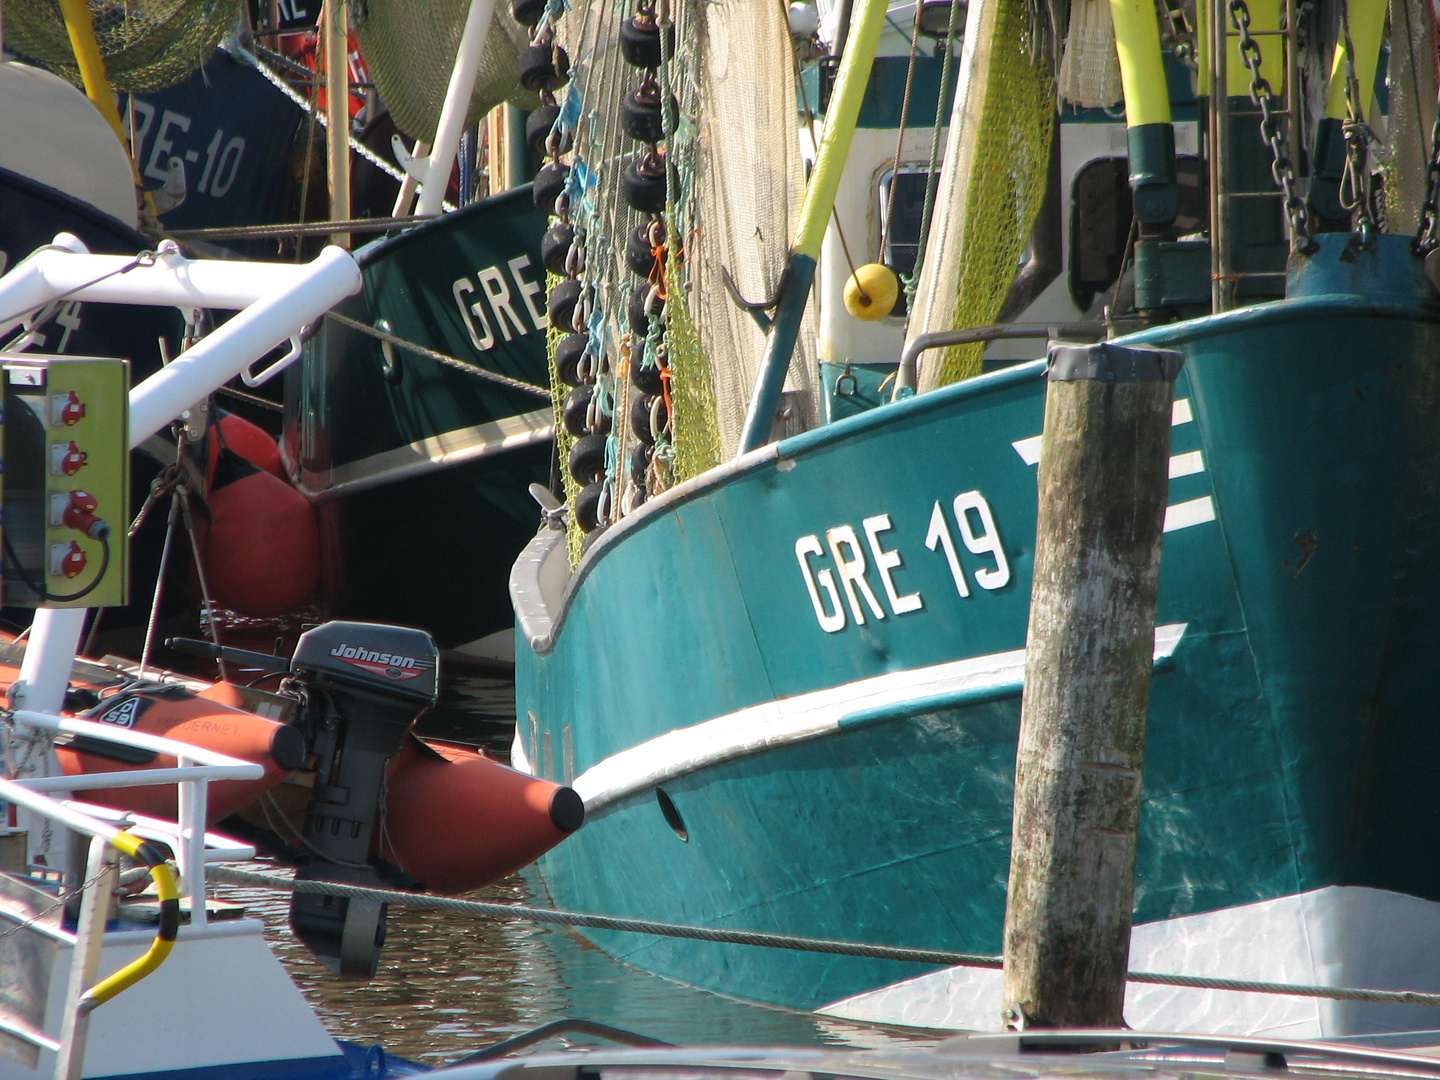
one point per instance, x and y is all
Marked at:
(363, 685)
(366, 685)
(360, 688)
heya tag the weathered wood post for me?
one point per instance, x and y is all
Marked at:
(1104, 480)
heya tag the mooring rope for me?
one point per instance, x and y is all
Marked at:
(939, 957)
(439, 357)
(313, 228)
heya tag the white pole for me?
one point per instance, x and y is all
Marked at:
(218, 357)
(457, 104)
(190, 853)
(85, 964)
(44, 676)
(406, 198)
(171, 280)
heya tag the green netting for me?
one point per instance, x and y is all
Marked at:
(147, 45)
(993, 185)
(564, 441)
(410, 47)
(1008, 185)
(697, 435)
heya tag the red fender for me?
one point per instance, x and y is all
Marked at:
(262, 549)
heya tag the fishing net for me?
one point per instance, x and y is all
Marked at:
(410, 48)
(1090, 70)
(991, 184)
(735, 186)
(745, 189)
(147, 45)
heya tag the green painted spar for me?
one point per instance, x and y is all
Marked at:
(421, 469)
(1292, 743)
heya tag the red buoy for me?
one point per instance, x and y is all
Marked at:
(250, 441)
(262, 549)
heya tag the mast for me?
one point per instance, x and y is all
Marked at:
(844, 111)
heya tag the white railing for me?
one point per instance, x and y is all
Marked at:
(195, 768)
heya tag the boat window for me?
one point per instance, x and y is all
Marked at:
(902, 239)
(1101, 212)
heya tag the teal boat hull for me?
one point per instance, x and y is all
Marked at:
(754, 756)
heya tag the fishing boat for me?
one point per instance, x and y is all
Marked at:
(418, 455)
(781, 658)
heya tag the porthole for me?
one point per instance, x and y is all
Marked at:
(672, 814)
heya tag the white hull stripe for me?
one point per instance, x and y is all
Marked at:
(1195, 512)
(1179, 516)
(879, 699)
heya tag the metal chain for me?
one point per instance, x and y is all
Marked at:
(1426, 238)
(1281, 167)
(65, 898)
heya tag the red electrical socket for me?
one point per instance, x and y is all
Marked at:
(67, 559)
(66, 409)
(66, 460)
(76, 510)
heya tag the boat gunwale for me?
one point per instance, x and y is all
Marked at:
(541, 629)
(387, 245)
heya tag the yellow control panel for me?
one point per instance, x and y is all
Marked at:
(65, 483)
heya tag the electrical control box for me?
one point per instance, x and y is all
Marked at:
(65, 481)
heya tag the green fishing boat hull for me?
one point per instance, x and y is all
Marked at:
(765, 743)
(420, 466)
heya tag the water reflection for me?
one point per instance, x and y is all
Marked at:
(451, 984)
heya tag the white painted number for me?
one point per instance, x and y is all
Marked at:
(940, 534)
(848, 565)
(987, 542)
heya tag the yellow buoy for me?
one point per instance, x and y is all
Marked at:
(871, 292)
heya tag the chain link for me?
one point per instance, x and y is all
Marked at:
(1426, 239)
(1281, 168)
(65, 898)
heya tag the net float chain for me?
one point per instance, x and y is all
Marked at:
(582, 413)
(544, 66)
(642, 246)
(548, 186)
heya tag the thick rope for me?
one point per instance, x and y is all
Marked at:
(938, 957)
(314, 228)
(236, 49)
(439, 357)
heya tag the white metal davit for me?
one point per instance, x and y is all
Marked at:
(276, 301)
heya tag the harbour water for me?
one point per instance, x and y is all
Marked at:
(449, 985)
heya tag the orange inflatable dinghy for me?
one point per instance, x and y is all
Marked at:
(457, 819)
(180, 714)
